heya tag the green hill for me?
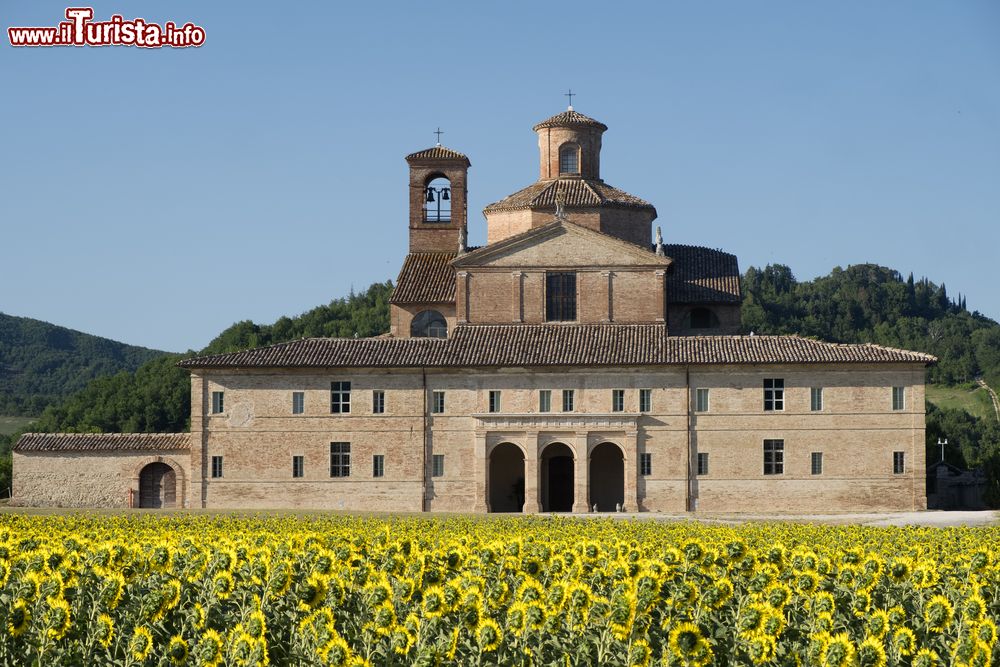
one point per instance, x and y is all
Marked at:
(42, 364)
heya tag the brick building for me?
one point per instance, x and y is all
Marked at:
(567, 365)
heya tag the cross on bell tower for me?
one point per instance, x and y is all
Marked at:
(570, 95)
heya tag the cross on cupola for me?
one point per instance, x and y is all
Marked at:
(438, 132)
(570, 95)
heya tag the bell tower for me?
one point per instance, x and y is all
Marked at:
(438, 196)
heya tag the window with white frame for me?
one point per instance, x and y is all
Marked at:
(340, 459)
(774, 457)
(701, 400)
(218, 402)
(617, 400)
(567, 400)
(816, 399)
(437, 402)
(340, 397)
(298, 402)
(898, 398)
(378, 402)
(494, 400)
(774, 394)
(437, 465)
(645, 400)
(545, 400)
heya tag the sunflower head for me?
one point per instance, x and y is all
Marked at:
(177, 650)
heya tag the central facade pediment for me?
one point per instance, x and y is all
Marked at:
(561, 244)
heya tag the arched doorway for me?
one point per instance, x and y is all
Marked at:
(607, 477)
(557, 478)
(506, 478)
(157, 486)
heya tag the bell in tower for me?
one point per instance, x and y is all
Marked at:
(438, 191)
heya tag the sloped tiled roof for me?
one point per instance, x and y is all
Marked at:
(102, 442)
(570, 118)
(426, 277)
(437, 153)
(506, 345)
(702, 275)
(579, 192)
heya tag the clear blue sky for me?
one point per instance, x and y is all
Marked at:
(158, 196)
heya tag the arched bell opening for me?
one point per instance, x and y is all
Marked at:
(437, 199)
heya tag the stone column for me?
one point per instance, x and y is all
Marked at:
(462, 297)
(532, 504)
(631, 471)
(480, 503)
(581, 475)
(661, 295)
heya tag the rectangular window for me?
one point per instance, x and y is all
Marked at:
(437, 402)
(560, 297)
(702, 463)
(340, 397)
(817, 463)
(298, 402)
(701, 400)
(816, 399)
(378, 402)
(437, 466)
(645, 400)
(218, 402)
(216, 466)
(340, 459)
(378, 465)
(617, 400)
(898, 398)
(774, 394)
(774, 457)
(298, 466)
(898, 463)
(494, 400)
(567, 400)
(645, 464)
(545, 400)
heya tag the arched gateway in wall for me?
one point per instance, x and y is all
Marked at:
(157, 486)
(556, 477)
(506, 478)
(607, 477)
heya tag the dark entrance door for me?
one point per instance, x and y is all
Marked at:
(607, 477)
(157, 486)
(557, 478)
(506, 478)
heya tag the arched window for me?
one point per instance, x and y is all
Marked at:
(429, 324)
(703, 318)
(569, 159)
(437, 200)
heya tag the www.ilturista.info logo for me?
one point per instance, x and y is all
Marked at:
(81, 30)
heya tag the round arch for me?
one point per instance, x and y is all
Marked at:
(703, 318)
(557, 462)
(429, 324)
(607, 477)
(569, 158)
(506, 477)
(437, 198)
(158, 482)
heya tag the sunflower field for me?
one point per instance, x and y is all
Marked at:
(143, 589)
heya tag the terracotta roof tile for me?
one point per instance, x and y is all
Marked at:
(436, 153)
(702, 275)
(579, 192)
(507, 345)
(570, 118)
(426, 277)
(102, 442)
